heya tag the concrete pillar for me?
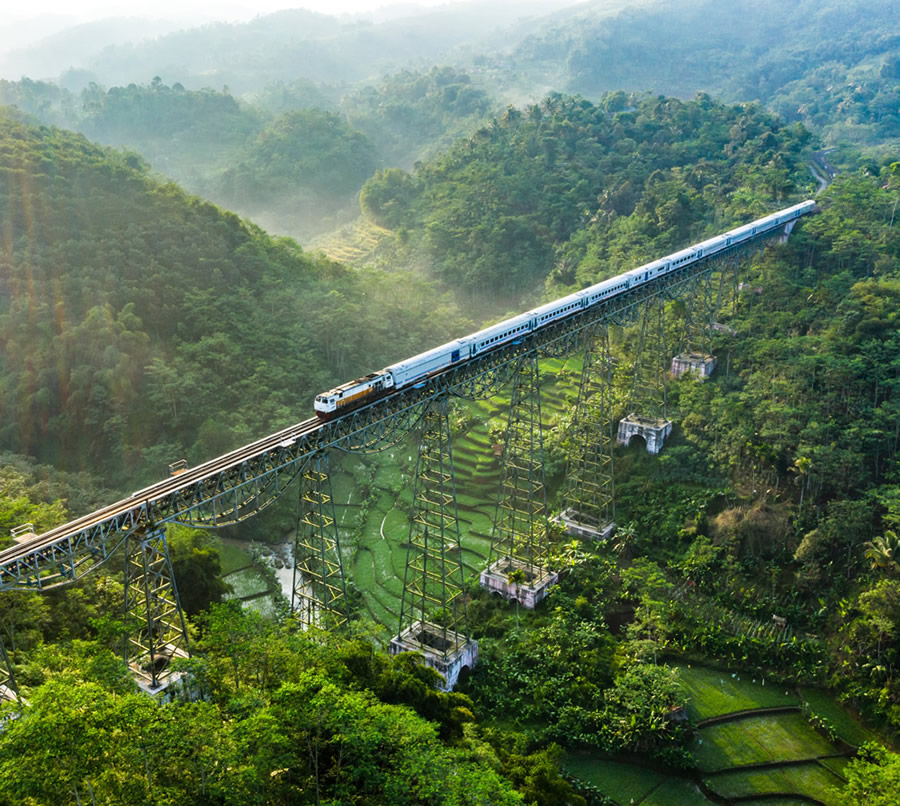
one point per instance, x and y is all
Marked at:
(702, 365)
(577, 525)
(530, 592)
(448, 656)
(653, 431)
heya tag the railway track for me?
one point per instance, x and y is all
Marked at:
(142, 498)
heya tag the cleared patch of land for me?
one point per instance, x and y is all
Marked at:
(351, 242)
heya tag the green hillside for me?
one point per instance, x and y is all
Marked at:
(830, 65)
(491, 218)
(139, 324)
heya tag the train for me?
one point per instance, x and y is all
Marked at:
(371, 387)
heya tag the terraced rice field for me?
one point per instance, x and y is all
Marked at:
(758, 740)
(377, 564)
(845, 726)
(713, 692)
(629, 782)
(751, 753)
(811, 779)
(632, 783)
(351, 242)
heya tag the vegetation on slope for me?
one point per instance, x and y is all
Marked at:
(830, 65)
(138, 324)
(285, 157)
(492, 215)
(412, 116)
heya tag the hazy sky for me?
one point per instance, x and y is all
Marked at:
(84, 10)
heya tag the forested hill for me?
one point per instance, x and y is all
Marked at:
(830, 64)
(284, 157)
(139, 324)
(585, 190)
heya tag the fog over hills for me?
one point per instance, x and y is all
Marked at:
(278, 46)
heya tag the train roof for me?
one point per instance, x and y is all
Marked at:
(428, 354)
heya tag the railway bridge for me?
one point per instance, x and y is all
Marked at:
(242, 483)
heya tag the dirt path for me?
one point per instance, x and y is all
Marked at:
(822, 170)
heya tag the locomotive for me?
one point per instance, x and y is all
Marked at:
(369, 388)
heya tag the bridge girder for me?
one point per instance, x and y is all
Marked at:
(239, 491)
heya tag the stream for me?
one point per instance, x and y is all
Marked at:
(250, 583)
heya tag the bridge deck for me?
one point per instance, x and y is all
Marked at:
(237, 484)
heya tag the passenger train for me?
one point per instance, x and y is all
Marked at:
(364, 390)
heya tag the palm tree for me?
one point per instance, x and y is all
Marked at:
(624, 539)
(884, 551)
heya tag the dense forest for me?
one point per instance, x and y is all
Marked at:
(143, 321)
(491, 214)
(292, 156)
(777, 493)
(134, 317)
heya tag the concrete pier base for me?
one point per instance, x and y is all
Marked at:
(572, 521)
(144, 678)
(449, 660)
(651, 429)
(495, 579)
(700, 364)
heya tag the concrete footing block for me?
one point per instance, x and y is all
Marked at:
(700, 364)
(530, 592)
(578, 525)
(448, 657)
(653, 430)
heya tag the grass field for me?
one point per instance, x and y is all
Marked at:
(713, 692)
(776, 802)
(811, 779)
(846, 727)
(836, 765)
(759, 739)
(674, 792)
(630, 783)
(623, 782)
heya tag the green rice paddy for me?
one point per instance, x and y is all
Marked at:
(712, 692)
(674, 792)
(811, 779)
(622, 781)
(803, 763)
(375, 553)
(845, 726)
(758, 740)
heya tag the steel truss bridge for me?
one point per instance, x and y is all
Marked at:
(240, 484)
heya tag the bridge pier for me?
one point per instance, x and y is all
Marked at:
(447, 652)
(577, 525)
(653, 430)
(152, 611)
(699, 364)
(589, 503)
(529, 587)
(518, 563)
(433, 608)
(648, 389)
(319, 595)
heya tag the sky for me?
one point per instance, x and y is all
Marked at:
(229, 10)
